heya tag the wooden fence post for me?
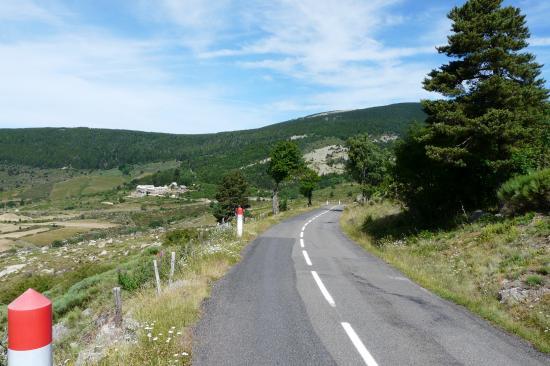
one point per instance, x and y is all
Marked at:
(118, 307)
(157, 275)
(172, 268)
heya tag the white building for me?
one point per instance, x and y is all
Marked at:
(150, 190)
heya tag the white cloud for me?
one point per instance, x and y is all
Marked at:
(26, 10)
(539, 41)
(110, 83)
(201, 23)
(333, 44)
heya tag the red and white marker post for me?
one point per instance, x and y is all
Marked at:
(30, 330)
(240, 216)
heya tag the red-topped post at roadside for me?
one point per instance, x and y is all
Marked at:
(30, 330)
(240, 216)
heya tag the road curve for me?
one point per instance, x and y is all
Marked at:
(306, 295)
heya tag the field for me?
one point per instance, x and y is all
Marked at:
(85, 185)
(497, 267)
(78, 261)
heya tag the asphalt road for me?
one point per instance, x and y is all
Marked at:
(331, 303)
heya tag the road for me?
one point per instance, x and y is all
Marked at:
(306, 295)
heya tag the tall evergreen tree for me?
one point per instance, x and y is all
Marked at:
(494, 112)
(232, 193)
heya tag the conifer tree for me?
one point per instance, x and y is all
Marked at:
(490, 124)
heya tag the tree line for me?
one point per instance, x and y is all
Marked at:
(487, 139)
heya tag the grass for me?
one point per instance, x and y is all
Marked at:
(79, 276)
(164, 336)
(48, 237)
(85, 185)
(468, 264)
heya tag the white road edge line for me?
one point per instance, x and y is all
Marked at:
(365, 354)
(323, 289)
(306, 257)
(302, 243)
(301, 234)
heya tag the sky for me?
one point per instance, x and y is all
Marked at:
(195, 66)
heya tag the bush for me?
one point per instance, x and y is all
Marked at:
(136, 277)
(534, 280)
(530, 192)
(16, 287)
(283, 204)
(57, 243)
(181, 236)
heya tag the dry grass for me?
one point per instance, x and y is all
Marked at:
(166, 320)
(470, 264)
(48, 237)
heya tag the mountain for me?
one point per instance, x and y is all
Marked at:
(207, 155)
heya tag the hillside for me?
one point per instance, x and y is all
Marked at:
(206, 154)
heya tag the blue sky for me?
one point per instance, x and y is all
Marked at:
(192, 66)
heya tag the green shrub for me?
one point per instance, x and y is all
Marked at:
(530, 192)
(181, 236)
(134, 278)
(57, 243)
(283, 205)
(17, 286)
(534, 280)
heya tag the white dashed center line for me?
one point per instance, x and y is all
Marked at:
(306, 257)
(323, 289)
(365, 354)
(301, 234)
(302, 243)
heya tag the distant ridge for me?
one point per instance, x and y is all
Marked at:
(206, 154)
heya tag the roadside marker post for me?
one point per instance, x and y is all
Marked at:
(157, 277)
(240, 214)
(30, 330)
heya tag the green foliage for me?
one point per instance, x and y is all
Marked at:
(283, 205)
(534, 280)
(526, 192)
(285, 160)
(125, 169)
(367, 162)
(165, 177)
(40, 283)
(309, 181)
(232, 193)
(181, 236)
(490, 122)
(135, 277)
(205, 158)
(57, 243)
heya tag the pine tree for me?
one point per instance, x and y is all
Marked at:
(494, 112)
(232, 193)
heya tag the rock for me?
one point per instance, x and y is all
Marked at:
(104, 252)
(11, 269)
(59, 331)
(476, 215)
(87, 312)
(512, 295)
